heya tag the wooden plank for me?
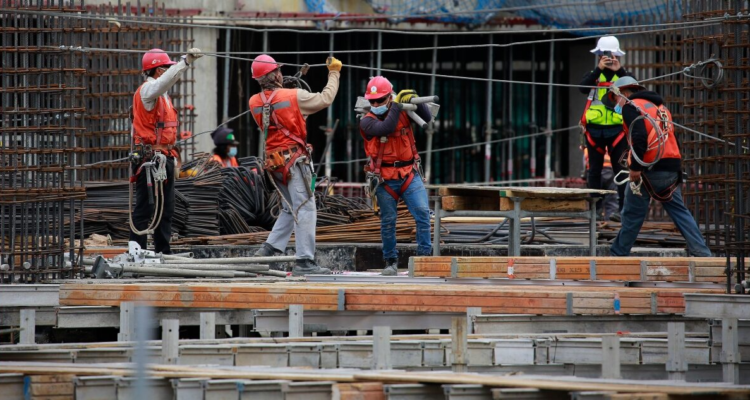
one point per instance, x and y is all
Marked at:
(52, 389)
(546, 205)
(456, 203)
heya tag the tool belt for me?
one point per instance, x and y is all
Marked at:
(280, 157)
(146, 152)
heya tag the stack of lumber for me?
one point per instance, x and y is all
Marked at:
(483, 198)
(658, 269)
(557, 300)
(49, 387)
(353, 384)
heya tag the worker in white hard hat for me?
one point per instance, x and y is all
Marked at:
(602, 127)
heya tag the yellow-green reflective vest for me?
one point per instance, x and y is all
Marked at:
(597, 113)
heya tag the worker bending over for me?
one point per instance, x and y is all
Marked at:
(660, 181)
(602, 126)
(225, 152)
(394, 164)
(281, 115)
(155, 131)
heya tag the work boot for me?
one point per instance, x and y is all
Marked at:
(615, 217)
(266, 250)
(391, 267)
(309, 267)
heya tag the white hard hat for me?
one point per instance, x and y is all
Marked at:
(608, 43)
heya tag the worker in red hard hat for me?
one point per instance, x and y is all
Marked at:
(281, 114)
(393, 170)
(154, 131)
(225, 152)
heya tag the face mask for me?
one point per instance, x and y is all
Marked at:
(380, 110)
(232, 152)
(618, 109)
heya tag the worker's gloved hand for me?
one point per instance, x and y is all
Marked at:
(334, 64)
(193, 54)
(405, 95)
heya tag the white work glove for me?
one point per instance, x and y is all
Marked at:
(193, 54)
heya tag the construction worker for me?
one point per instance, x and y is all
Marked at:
(225, 151)
(394, 166)
(281, 114)
(661, 176)
(155, 131)
(609, 206)
(602, 126)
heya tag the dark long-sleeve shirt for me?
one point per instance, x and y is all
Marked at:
(639, 134)
(592, 77)
(385, 125)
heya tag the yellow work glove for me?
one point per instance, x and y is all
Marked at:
(333, 64)
(405, 95)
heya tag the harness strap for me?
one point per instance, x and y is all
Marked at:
(664, 196)
(402, 189)
(279, 126)
(160, 124)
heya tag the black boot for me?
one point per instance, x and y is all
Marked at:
(391, 267)
(309, 267)
(266, 250)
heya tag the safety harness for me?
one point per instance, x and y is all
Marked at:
(584, 121)
(376, 164)
(285, 159)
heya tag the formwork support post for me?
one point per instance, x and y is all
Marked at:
(381, 348)
(296, 321)
(208, 326)
(676, 363)
(170, 341)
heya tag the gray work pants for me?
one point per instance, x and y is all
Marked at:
(296, 193)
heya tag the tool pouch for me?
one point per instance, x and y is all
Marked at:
(274, 161)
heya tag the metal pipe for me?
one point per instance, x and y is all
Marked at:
(511, 132)
(329, 124)
(532, 123)
(271, 272)
(176, 272)
(227, 61)
(214, 267)
(424, 99)
(380, 53)
(349, 123)
(239, 260)
(431, 126)
(548, 136)
(261, 139)
(488, 128)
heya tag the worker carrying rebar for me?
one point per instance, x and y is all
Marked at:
(602, 126)
(154, 135)
(610, 204)
(655, 164)
(225, 152)
(394, 166)
(281, 114)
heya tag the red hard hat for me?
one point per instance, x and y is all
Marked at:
(155, 58)
(262, 65)
(377, 88)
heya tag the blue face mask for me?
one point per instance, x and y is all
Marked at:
(618, 109)
(380, 110)
(232, 152)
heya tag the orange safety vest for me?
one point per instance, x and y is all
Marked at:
(157, 127)
(287, 126)
(394, 158)
(226, 163)
(672, 149)
(607, 159)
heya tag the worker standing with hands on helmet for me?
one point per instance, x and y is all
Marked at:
(155, 131)
(602, 126)
(225, 152)
(661, 176)
(281, 115)
(394, 163)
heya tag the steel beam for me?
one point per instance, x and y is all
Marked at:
(717, 306)
(321, 321)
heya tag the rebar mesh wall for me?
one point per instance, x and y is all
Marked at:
(40, 147)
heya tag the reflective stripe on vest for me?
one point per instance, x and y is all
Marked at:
(285, 111)
(597, 113)
(671, 149)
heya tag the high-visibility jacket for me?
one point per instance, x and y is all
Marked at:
(287, 127)
(155, 127)
(226, 163)
(658, 113)
(400, 147)
(607, 159)
(596, 113)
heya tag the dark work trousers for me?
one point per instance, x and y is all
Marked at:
(144, 212)
(596, 163)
